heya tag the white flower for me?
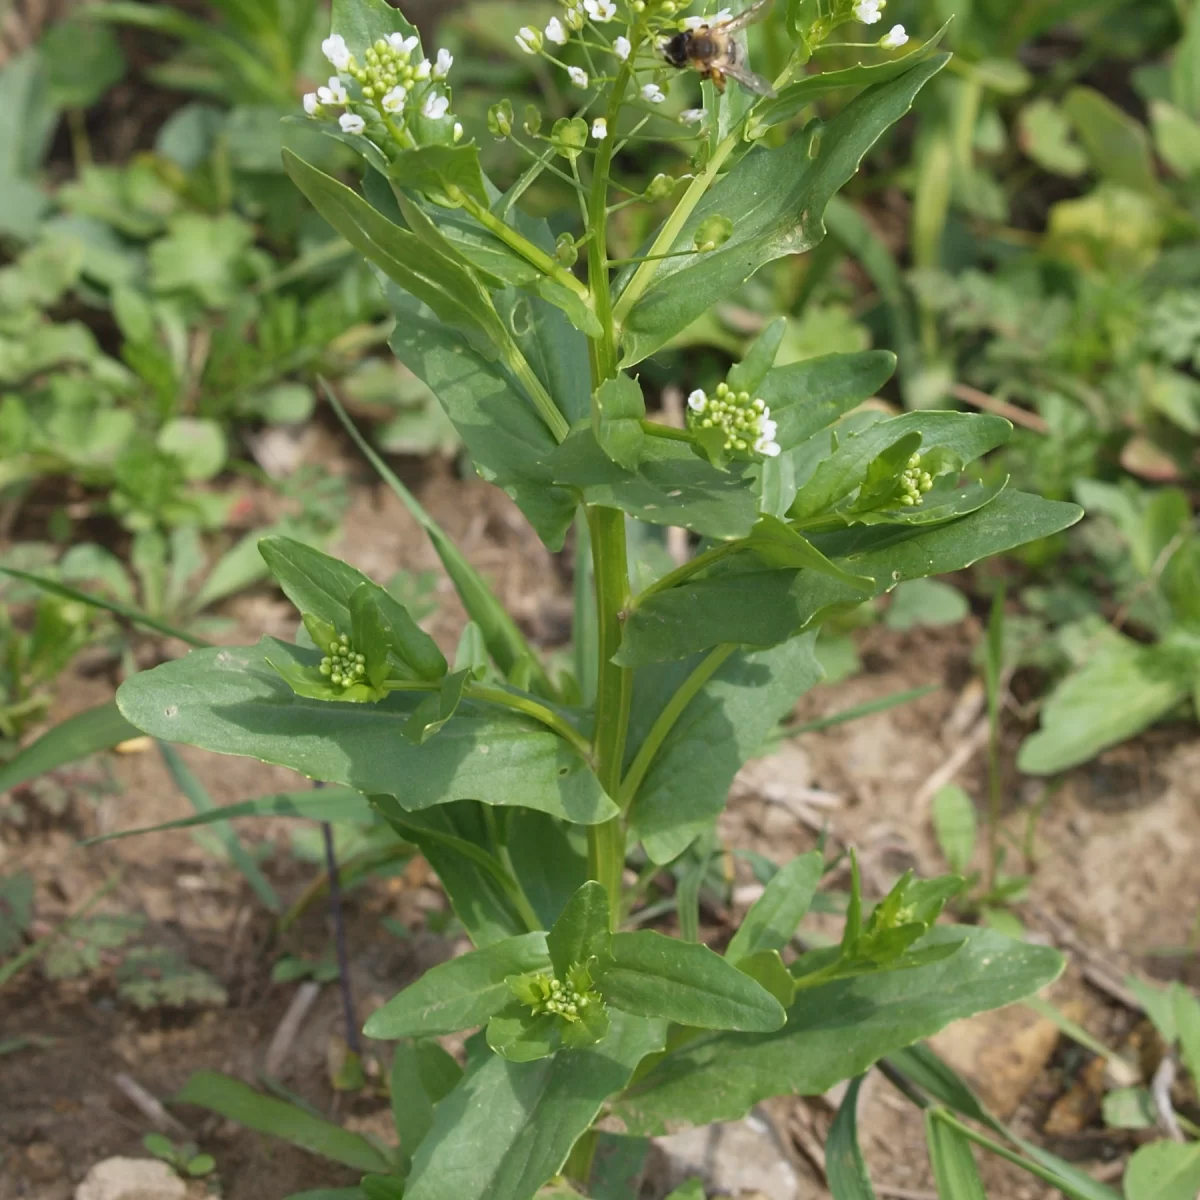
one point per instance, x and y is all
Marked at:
(578, 76)
(869, 11)
(458, 131)
(600, 10)
(715, 19)
(575, 18)
(445, 60)
(698, 400)
(435, 106)
(529, 39)
(894, 38)
(556, 33)
(402, 44)
(335, 49)
(599, 129)
(621, 48)
(652, 93)
(351, 123)
(692, 116)
(423, 69)
(765, 446)
(768, 429)
(311, 103)
(393, 99)
(335, 93)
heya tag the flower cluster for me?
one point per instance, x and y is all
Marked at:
(914, 482)
(745, 421)
(342, 665)
(569, 998)
(393, 80)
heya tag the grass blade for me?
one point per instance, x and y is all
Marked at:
(882, 704)
(844, 1165)
(89, 732)
(954, 1169)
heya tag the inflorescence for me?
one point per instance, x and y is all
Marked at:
(745, 421)
(568, 998)
(914, 482)
(342, 666)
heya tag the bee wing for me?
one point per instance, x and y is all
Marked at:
(756, 12)
(748, 79)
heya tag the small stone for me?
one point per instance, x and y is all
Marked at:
(131, 1179)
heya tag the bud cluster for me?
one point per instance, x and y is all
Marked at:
(569, 998)
(745, 421)
(914, 482)
(342, 665)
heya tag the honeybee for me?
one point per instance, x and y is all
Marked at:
(714, 51)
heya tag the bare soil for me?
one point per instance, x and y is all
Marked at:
(1116, 878)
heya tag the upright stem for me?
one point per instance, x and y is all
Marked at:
(610, 562)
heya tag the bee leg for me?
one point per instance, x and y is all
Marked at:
(718, 78)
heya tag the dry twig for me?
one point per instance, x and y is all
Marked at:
(148, 1105)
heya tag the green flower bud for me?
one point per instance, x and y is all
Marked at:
(569, 136)
(565, 250)
(500, 118)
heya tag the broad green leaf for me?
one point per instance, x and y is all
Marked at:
(1129, 1108)
(441, 171)
(333, 804)
(748, 375)
(507, 440)
(1163, 1171)
(956, 825)
(508, 1127)
(796, 97)
(232, 1099)
(775, 200)
(954, 1169)
(201, 801)
(234, 701)
(550, 866)
(618, 1165)
(723, 726)
(364, 22)
(434, 711)
(435, 279)
(1115, 142)
(1176, 138)
(581, 932)
(505, 642)
(1185, 68)
(322, 585)
(519, 1036)
(617, 420)
(844, 1165)
(693, 1189)
(772, 919)
(1187, 1023)
(767, 969)
(461, 993)
(422, 1074)
(88, 732)
(651, 975)
(834, 1032)
(925, 603)
(1045, 135)
(672, 485)
(1122, 689)
(1159, 1003)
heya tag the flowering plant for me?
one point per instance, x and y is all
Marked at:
(530, 793)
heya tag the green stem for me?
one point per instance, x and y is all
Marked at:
(692, 567)
(523, 246)
(518, 364)
(665, 722)
(614, 695)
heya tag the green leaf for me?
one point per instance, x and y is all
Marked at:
(364, 22)
(549, 865)
(672, 486)
(82, 62)
(775, 200)
(1045, 134)
(422, 1075)
(1122, 689)
(324, 586)
(835, 1031)
(519, 1036)
(507, 440)
(435, 279)
(1187, 1023)
(723, 726)
(1129, 1108)
(434, 711)
(796, 97)
(748, 375)
(617, 420)
(461, 993)
(232, 1099)
(925, 603)
(956, 825)
(844, 1165)
(651, 975)
(201, 801)
(767, 969)
(772, 919)
(693, 1189)
(88, 732)
(198, 444)
(1163, 1171)
(581, 932)
(234, 701)
(16, 910)
(505, 642)
(441, 171)
(508, 1127)
(1115, 142)
(954, 1169)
